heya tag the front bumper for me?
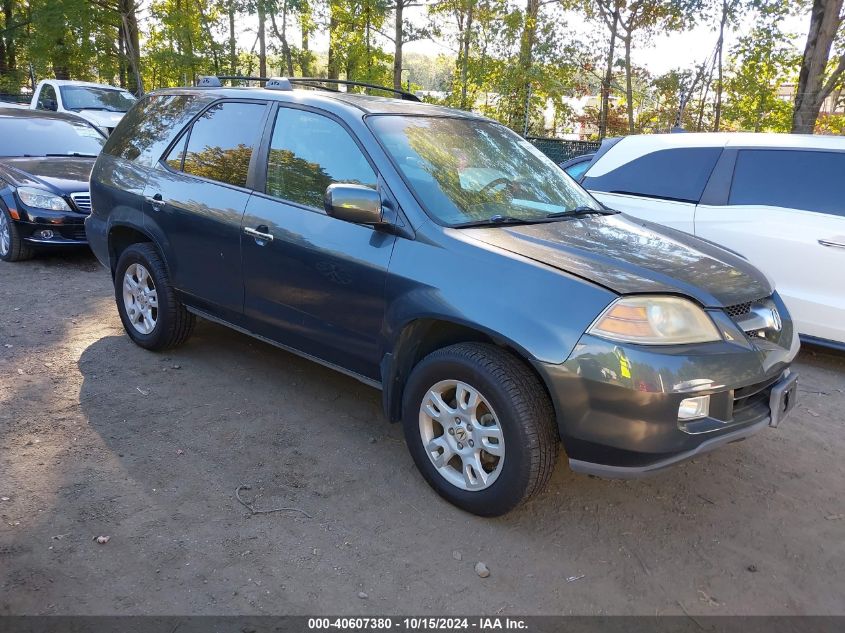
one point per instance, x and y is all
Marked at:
(617, 404)
(67, 227)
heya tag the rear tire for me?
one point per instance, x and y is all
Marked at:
(151, 314)
(12, 246)
(488, 401)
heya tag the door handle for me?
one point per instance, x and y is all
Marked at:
(834, 243)
(156, 202)
(259, 235)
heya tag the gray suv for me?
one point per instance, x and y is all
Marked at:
(439, 257)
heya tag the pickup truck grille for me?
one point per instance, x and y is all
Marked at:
(82, 201)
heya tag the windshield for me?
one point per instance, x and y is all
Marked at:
(464, 170)
(90, 98)
(36, 136)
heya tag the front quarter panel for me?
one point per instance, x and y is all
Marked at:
(539, 311)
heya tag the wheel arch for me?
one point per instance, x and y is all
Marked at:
(421, 336)
(122, 236)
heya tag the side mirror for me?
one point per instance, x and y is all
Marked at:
(353, 203)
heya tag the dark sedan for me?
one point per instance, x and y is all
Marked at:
(45, 162)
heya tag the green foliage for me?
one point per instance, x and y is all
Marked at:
(763, 61)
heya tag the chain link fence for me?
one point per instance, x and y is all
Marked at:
(560, 150)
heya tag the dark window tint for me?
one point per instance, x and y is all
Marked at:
(308, 153)
(672, 174)
(47, 98)
(809, 180)
(38, 135)
(221, 142)
(147, 129)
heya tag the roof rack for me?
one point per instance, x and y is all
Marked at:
(286, 83)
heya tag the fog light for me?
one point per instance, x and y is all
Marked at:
(694, 408)
(46, 234)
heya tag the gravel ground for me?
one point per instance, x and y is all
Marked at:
(101, 438)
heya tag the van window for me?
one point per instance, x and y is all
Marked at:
(670, 174)
(809, 180)
(308, 153)
(222, 140)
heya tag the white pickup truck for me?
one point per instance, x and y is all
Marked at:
(99, 104)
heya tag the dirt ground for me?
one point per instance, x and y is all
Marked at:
(99, 437)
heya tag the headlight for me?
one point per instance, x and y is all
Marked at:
(655, 320)
(40, 199)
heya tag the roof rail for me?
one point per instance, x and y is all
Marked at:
(286, 83)
(314, 82)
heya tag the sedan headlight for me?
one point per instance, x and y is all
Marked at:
(40, 199)
(655, 320)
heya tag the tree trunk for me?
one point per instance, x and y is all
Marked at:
(121, 57)
(608, 76)
(129, 21)
(262, 40)
(8, 61)
(720, 45)
(333, 70)
(629, 90)
(467, 37)
(526, 62)
(813, 88)
(233, 55)
(398, 41)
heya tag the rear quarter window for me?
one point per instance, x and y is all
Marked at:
(806, 179)
(147, 129)
(669, 174)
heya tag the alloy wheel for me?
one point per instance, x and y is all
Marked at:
(140, 298)
(461, 435)
(5, 234)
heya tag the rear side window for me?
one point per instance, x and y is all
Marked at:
(221, 142)
(147, 129)
(808, 180)
(670, 174)
(309, 152)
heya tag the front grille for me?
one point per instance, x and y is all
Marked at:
(82, 201)
(739, 310)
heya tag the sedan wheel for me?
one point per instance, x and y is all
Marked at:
(5, 235)
(140, 298)
(462, 435)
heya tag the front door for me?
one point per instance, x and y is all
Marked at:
(195, 200)
(313, 282)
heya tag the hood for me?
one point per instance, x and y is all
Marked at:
(631, 256)
(61, 174)
(101, 118)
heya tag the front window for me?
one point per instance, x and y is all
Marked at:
(470, 171)
(43, 136)
(91, 98)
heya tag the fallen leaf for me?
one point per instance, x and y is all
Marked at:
(102, 540)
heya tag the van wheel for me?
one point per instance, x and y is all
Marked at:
(152, 315)
(12, 247)
(480, 427)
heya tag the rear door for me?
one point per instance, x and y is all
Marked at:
(317, 284)
(195, 199)
(786, 213)
(662, 186)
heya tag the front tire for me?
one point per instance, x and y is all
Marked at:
(151, 314)
(480, 427)
(12, 246)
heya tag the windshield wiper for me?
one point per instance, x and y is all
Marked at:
(498, 219)
(74, 154)
(581, 211)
